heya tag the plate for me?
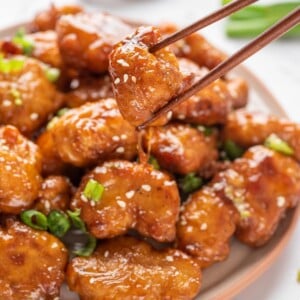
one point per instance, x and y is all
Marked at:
(244, 265)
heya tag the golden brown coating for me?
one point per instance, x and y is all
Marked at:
(205, 227)
(88, 89)
(46, 20)
(143, 82)
(92, 133)
(262, 185)
(86, 40)
(212, 104)
(252, 128)
(135, 197)
(51, 161)
(126, 268)
(180, 148)
(27, 97)
(55, 194)
(32, 263)
(199, 50)
(20, 165)
(45, 48)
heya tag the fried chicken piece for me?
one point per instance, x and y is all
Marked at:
(135, 197)
(46, 20)
(143, 81)
(180, 148)
(27, 98)
(252, 128)
(212, 104)
(32, 263)
(88, 89)
(55, 194)
(86, 40)
(205, 227)
(20, 165)
(262, 185)
(126, 268)
(92, 133)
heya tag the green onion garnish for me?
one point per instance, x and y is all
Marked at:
(275, 143)
(93, 190)
(22, 41)
(207, 131)
(58, 223)
(52, 74)
(34, 219)
(11, 65)
(232, 150)
(62, 111)
(153, 161)
(88, 248)
(190, 183)
(75, 219)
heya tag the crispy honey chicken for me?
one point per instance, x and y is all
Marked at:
(27, 97)
(135, 197)
(86, 40)
(181, 149)
(55, 194)
(143, 81)
(88, 89)
(252, 128)
(32, 263)
(20, 165)
(126, 268)
(205, 227)
(92, 133)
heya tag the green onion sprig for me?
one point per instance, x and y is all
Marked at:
(34, 219)
(277, 144)
(232, 150)
(58, 223)
(190, 183)
(21, 40)
(93, 190)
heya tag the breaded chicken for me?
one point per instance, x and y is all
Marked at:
(126, 268)
(20, 165)
(135, 197)
(32, 263)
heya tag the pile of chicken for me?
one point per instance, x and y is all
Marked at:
(109, 83)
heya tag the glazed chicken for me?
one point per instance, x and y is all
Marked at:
(126, 268)
(86, 40)
(252, 128)
(143, 81)
(32, 263)
(135, 197)
(180, 148)
(27, 97)
(92, 133)
(20, 165)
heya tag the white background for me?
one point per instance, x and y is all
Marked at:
(278, 66)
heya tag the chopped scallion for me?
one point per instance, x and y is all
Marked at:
(58, 223)
(207, 131)
(76, 220)
(52, 74)
(11, 65)
(153, 161)
(62, 111)
(277, 144)
(34, 219)
(93, 190)
(232, 150)
(88, 248)
(23, 42)
(190, 183)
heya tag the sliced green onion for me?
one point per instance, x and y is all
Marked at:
(153, 161)
(275, 143)
(24, 42)
(190, 183)
(76, 220)
(11, 65)
(58, 223)
(62, 111)
(232, 150)
(52, 74)
(88, 248)
(52, 122)
(207, 131)
(93, 190)
(34, 219)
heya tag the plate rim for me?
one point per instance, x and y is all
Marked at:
(262, 266)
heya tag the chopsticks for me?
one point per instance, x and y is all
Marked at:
(211, 18)
(261, 41)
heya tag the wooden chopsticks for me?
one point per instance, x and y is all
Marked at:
(211, 18)
(261, 41)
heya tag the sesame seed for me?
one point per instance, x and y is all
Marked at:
(6, 103)
(146, 187)
(120, 150)
(189, 229)
(101, 170)
(133, 78)
(92, 280)
(121, 203)
(8, 168)
(169, 258)
(280, 201)
(168, 183)
(123, 62)
(34, 116)
(169, 115)
(106, 253)
(123, 136)
(181, 117)
(115, 138)
(129, 194)
(125, 77)
(74, 84)
(203, 226)
(117, 81)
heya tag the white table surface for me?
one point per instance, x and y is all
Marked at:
(277, 66)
